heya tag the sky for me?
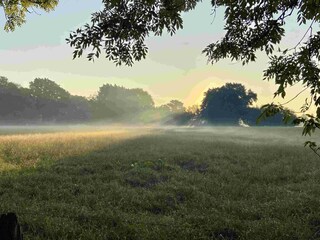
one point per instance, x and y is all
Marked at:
(174, 67)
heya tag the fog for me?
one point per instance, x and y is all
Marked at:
(246, 135)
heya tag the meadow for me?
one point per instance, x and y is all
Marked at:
(160, 183)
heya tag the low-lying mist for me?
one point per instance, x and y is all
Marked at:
(46, 103)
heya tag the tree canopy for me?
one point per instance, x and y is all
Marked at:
(227, 104)
(232, 104)
(45, 88)
(118, 103)
(15, 10)
(45, 102)
(251, 26)
(120, 30)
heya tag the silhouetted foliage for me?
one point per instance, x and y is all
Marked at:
(121, 28)
(50, 99)
(16, 103)
(183, 118)
(175, 106)
(43, 101)
(275, 120)
(78, 109)
(173, 113)
(227, 104)
(43, 88)
(118, 103)
(46, 102)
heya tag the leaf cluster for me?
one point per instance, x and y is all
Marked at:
(15, 10)
(120, 29)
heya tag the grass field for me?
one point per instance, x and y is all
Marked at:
(174, 183)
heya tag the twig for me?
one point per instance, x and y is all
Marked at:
(294, 97)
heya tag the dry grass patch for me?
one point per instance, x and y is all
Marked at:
(27, 150)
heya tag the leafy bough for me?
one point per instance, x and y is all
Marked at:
(309, 122)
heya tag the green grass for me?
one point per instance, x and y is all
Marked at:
(214, 183)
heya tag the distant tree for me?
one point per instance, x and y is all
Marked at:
(140, 99)
(16, 104)
(252, 26)
(274, 120)
(175, 106)
(47, 89)
(160, 113)
(194, 109)
(51, 99)
(44, 101)
(121, 27)
(182, 118)
(174, 113)
(114, 103)
(4, 83)
(227, 104)
(77, 109)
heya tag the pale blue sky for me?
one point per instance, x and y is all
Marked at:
(174, 68)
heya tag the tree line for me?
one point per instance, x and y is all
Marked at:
(45, 102)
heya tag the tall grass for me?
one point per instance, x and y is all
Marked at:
(217, 183)
(29, 150)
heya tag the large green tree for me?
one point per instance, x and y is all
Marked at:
(118, 103)
(48, 89)
(16, 104)
(120, 29)
(227, 104)
(251, 26)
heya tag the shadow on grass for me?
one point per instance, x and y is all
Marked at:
(116, 192)
(160, 187)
